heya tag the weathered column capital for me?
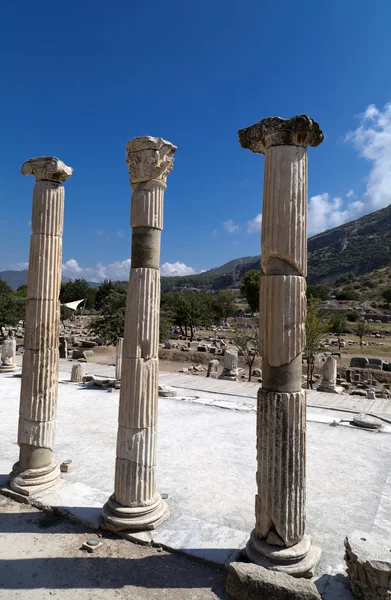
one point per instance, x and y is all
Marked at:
(149, 158)
(300, 130)
(47, 168)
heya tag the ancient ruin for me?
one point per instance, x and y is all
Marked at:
(8, 355)
(279, 541)
(118, 358)
(136, 504)
(36, 468)
(230, 365)
(329, 379)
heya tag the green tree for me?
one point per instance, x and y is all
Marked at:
(250, 289)
(247, 343)
(387, 295)
(22, 291)
(12, 306)
(190, 310)
(362, 328)
(315, 327)
(102, 292)
(318, 291)
(338, 326)
(225, 304)
(78, 290)
(110, 325)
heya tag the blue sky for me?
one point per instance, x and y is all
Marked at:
(80, 78)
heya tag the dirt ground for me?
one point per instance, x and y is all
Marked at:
(41, 558)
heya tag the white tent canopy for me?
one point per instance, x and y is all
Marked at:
(73, 305)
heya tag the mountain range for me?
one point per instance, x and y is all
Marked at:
(357, 247)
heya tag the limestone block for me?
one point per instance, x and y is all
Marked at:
(48, 209)
(45, 257)
(212, 368)
(165, 391)
(135, 484)
(38, 395)
(149, 158)
(141, 338)
(147, 205)
(36, 433)
(118, 358)
(329, 379)
(284, 222)
(78, 372)
(368, 560)
(230, 361)
(282, 316)
(281, 457)
(139, 393)
(137, 445)
(247, 581)
(8, 352)
(42, 324)
(359, 362)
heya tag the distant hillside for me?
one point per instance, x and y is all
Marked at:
(358, 247)
(17, 278)
(232, 265)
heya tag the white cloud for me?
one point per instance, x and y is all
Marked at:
(372, 139)
(120, 233)
(177, 268)
(99, 231)
(325, 212)
(115, 271)
(231, 227)
(22, 266)
(255, 225)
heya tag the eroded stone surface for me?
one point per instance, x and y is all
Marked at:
(38, 398)
(247, 581)
(136, 505)
(368, 561)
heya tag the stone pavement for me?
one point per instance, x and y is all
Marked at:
(205, 466)
(41, 559)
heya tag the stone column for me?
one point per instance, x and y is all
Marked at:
(118, 359)
(278, 541)
(36, 469)
(230, 365)
(8, 355)
(136, 504)
(329, 379)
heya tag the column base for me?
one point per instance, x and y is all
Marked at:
(138, 518)
(8, 368)
(33, 481)
(299, 560)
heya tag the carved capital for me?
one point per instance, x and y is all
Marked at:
(149, 158)
(275, 131)
(47, 168)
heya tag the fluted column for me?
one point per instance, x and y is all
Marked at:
(136, 504)
(278, 541)
(118, 358)
(36, 469)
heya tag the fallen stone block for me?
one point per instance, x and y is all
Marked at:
(165, 391)
(247, 581)
(368, 561)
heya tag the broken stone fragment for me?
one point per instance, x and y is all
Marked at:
(368, 560)
(247, 581)
(165, 391)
